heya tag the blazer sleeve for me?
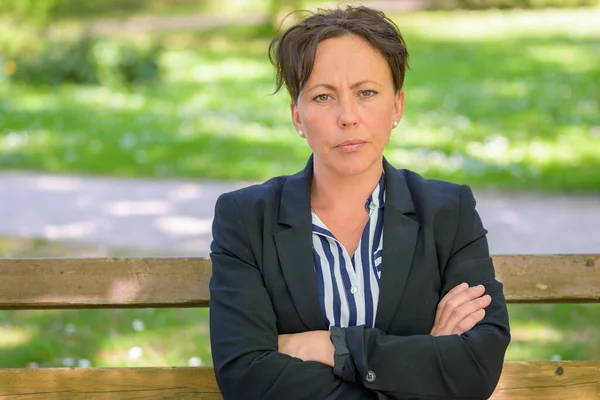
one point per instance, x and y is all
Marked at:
(426, 367)
(243, 332)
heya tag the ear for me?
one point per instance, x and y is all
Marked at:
(296, 118)
(398, 106)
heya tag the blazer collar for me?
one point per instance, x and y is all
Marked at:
(400, 233)
(295, 195)
(294, 245)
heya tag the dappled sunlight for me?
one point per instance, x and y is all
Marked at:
(567, 56)
(553, 332)
(73, 230)
(13, 336)
(494, 24)
(109, 97)
(533, 341)
(476, 112)
(185, 192)
(536, 332)
(56, 183)
(105, 338)
(182, 226)
(126, 290)
(113, 212)
(232, 68)
(126, 208)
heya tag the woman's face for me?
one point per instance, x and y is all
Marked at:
(347, 109)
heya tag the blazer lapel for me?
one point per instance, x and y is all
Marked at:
(399, 241)
(294, 247)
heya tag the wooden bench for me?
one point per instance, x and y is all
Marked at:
(183, 282)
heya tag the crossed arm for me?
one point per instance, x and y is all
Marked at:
(457, 313)
(460, 358)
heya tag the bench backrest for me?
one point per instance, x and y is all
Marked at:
(183, 282)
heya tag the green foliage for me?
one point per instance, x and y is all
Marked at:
(88, 61)
(58, 63)
(482, 4)
(121, 63)
(36, 12)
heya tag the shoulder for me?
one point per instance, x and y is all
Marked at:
(253, 197)
(434, 193)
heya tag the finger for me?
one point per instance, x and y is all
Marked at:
(468, 323)
(458, 300)
(464, 311)
(456, 289)
(442, 303)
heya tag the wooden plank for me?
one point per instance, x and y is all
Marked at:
(549, 278)
(103, 283)
(109, 383)
(520, 381)
(566, 380)
(183, 282)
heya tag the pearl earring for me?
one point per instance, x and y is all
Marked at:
(395, 124)
(300, 133)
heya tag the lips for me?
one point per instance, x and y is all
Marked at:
(351, 145)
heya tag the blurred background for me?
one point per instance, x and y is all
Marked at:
(121, 121)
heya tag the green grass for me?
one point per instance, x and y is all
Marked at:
(177, 337)
(494, 99)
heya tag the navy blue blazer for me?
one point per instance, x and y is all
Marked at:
(263, 284)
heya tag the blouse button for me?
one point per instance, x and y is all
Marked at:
(370, 376)
(353, 290)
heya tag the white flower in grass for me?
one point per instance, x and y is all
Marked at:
(138, 325)
(135, 353)
(84, 363)
(70, 329)
(195, 362)
(68, 362)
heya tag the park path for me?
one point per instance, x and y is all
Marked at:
(174, 217)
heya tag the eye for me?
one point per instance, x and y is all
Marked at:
(321, 98)
(367, 93)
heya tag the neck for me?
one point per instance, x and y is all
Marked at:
(331, 190)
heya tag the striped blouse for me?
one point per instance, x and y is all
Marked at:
(348, 287)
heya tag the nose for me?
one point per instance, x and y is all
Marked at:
(347, 114)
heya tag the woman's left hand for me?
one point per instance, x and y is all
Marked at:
(308, 346)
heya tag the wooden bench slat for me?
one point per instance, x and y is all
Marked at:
(566, 380)
(103, 283)
(550, 278)
(520, 381)
(183, 282)
(109, 383)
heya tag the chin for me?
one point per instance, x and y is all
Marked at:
(353, 166)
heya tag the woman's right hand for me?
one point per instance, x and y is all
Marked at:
(460, 309)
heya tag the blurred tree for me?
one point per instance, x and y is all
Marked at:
(36, 12)
(279, 9)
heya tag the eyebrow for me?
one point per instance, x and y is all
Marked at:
(353, 86)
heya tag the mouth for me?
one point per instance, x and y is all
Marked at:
(351, 145)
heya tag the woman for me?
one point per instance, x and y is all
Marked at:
(352, 279)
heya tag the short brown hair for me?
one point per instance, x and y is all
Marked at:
(292, 52)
